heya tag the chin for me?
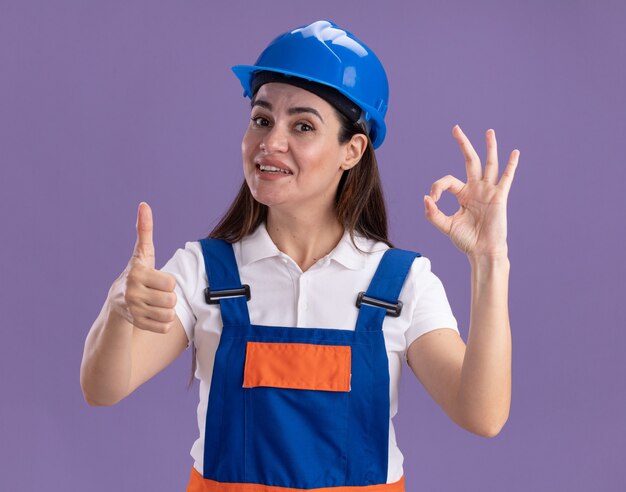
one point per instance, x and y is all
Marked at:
(268, 200)
(268, 197)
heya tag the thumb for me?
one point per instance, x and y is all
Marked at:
(144, 247)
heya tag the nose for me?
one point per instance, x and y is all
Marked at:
(275, 140)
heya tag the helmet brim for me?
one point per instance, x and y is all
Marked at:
(245, 74)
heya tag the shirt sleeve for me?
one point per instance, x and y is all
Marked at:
(184, 266)
(432, 309)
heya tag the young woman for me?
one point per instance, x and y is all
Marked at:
(298, 310)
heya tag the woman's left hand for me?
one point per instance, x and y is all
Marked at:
(478, 228)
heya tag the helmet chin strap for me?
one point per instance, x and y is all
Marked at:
(363, 123)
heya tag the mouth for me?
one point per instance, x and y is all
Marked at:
(268, 169)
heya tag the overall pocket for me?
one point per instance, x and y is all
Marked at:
(296, 413)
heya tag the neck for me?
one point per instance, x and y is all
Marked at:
(304, 237)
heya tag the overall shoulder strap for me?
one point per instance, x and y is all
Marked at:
(381, 298)
(225, 286)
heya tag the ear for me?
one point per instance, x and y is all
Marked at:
(355, 149)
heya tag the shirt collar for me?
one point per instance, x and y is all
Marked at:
(259, 245)
(347, 254)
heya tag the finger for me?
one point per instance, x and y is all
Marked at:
(491, 166)
(509, 172)
(450, 183)
(151, 325)
(158, 298)
(144, 247)
(160, 315)
(145, 286)
(472, 161)
(436, 217)
(161, 281)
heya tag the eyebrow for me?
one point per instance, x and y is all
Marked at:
(294, 110)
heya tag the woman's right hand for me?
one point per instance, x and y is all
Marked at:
(142, 295)
(118, 358)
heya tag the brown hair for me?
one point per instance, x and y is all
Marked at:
(359, 203)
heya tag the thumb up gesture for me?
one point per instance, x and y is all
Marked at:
(144, 296)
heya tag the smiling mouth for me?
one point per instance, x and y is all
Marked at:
(272, 169)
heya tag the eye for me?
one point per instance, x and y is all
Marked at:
(304, 127)
(260, 121)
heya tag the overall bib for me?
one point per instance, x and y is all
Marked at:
(294, 409)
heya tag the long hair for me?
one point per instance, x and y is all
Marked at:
(359, 203)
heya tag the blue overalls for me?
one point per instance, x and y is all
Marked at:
(298, 408)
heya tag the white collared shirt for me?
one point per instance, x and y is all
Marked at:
(322, 297)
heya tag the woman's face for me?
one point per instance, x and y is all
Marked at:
(291, 152)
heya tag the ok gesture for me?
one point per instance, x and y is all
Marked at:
(478, 227)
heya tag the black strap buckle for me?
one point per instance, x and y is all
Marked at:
(213, 297)
(393, 309)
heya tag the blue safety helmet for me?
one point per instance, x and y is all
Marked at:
(324, 53)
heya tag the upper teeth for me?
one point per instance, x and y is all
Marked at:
(274, 169)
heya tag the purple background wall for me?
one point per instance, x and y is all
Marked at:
(105, 104)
